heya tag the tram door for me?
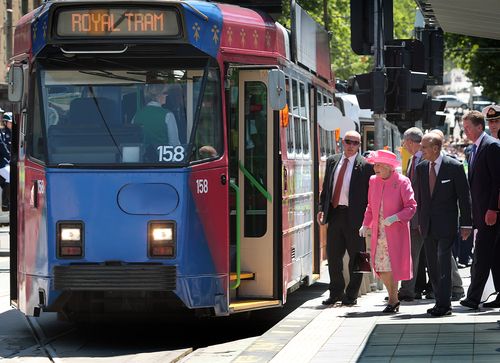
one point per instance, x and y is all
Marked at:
(252, 166)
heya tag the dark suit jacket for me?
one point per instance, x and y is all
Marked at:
(484, 179)
(358, 188)
(413, 179)
(438, 214)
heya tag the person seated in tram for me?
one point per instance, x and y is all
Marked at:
(159, 124)
(5, 149)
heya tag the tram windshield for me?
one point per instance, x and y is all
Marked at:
(165, 117)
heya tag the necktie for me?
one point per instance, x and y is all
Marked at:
(472, 155)
(338, 185)
(432, 177)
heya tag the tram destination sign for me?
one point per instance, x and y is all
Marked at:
(117, 22)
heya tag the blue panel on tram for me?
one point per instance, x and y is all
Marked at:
(40, 30)
(203, 34)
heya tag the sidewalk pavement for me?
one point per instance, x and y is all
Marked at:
(362, 333)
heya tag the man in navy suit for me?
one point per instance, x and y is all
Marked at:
(484, 180)
(442, 191)
(342, 205)
(492, 116)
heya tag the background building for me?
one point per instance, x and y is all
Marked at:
(11, 11)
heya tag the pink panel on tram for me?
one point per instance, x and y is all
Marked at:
(246, 31)
(22, 35)
(211, 199)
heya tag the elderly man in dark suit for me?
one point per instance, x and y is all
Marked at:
(411, 142)
(442, 190)
(342, 205)
(484, 180)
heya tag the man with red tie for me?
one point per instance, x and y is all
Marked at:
(342, 205)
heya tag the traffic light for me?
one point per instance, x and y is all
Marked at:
(406, 90)
(407, 53)
(369, 89)
(430, 119)
(362, 24)
(433, 41)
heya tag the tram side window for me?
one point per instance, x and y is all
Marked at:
(322, 137)
(289, 129)
(304, 120)
(322, 142)
(256, 158)
(328, 142)
(207, 141)
(296, 120)
(37, 144)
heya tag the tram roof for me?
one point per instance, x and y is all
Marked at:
(477, 18)
(230, 29)
(251, 33)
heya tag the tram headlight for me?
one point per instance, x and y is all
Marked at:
(70, 234)
(161, 239)
(70, 239)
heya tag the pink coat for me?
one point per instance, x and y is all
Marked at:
(399, 200)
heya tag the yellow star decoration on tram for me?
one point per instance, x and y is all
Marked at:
(215, 31)
(268, 40)
(230, 36)
(243, 35)
(255, 38)
(196, 29)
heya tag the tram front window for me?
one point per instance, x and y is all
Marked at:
(128, 116)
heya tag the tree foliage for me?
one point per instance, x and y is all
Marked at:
(479, 58)
(345, 63)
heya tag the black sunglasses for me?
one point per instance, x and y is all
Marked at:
(351, 142)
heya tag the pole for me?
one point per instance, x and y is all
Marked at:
(8, 35)
(378, 47)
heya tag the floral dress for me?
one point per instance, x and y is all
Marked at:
(382, 260)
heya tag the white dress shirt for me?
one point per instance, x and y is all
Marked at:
(344, 192)
(438, 162)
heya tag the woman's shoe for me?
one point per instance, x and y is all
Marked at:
(392, 308)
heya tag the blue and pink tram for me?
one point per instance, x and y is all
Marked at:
(166, 157)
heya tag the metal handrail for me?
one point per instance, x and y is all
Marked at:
(238, 240)
(255, 183)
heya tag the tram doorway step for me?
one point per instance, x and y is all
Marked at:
(243, 276)
(240, 306)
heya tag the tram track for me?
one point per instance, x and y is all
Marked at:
(42, 341)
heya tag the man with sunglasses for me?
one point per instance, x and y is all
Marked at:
(342, 205)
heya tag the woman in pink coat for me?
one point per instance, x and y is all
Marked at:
(390, 207)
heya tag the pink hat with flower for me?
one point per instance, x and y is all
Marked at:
(383, 157)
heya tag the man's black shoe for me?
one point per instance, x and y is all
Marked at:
(349, 302)
(469, 304)
(418, 296)
(494, 304)
(331, 300)
(431, 309)
(455, 296)
(440, 311)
